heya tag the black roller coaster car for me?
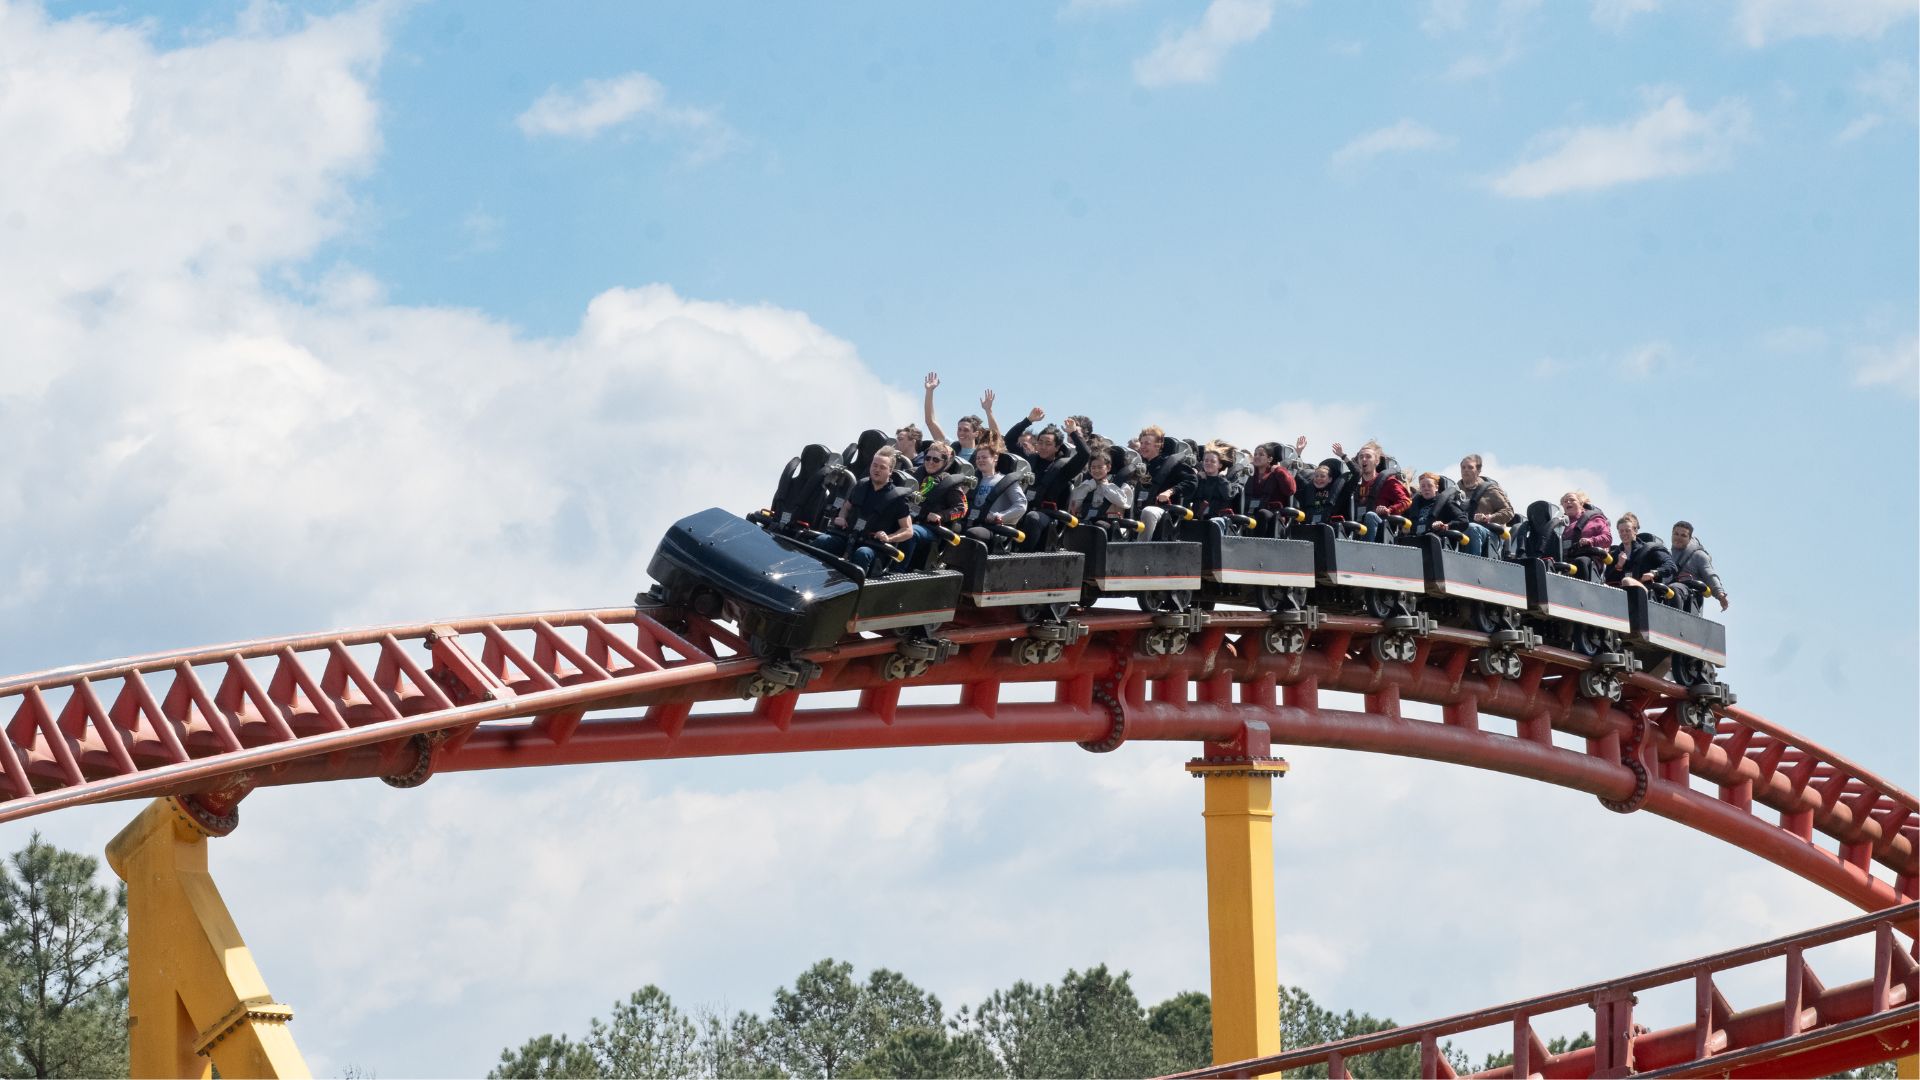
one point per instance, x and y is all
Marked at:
(769, 573)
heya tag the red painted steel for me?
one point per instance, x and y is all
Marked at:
(552, 688)
(565, 687)
(1811, 1031)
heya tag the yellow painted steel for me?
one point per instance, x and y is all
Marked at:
(1908, 1068)
(1240, 917)
(194, 996)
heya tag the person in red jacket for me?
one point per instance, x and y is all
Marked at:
(1378, 494)
(1271, 487)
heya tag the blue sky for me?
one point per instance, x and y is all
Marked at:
(338, 314)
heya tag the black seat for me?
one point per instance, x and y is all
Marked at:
(803, 494)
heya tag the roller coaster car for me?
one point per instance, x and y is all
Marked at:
(1697, 646)
(1251, 571)
(1163, 574)
(1487, 595)
(786, 594)
(1383, 581)
(1014, 579)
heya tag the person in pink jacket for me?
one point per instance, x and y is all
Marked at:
(1588, 535)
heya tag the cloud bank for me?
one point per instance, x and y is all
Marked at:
(1669, 139)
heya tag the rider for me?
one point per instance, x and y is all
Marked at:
(1639, 558)
(1172, 476)
(1587, 535)
(999, 499)
(1488, 509)
(1104, 493)
(1271, 487)
(969, 432)
(1378, 493)
(1693, 567)
(939, 504)
(873, 511)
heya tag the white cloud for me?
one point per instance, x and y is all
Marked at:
(1764, 22)
(1402, 137)
(439, 459)
(1669, 139)
(1194, 55)
(600, 105)
(1860, 126)
(1616, 14)
(1896, 366)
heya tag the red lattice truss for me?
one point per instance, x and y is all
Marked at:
(405, 702)
(561, 687)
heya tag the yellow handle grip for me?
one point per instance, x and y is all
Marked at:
(953, 540)
(1139, 526)
(899, 555)
(1247, 522)
(1072, 522)
(1363, 530)
(1019, 537)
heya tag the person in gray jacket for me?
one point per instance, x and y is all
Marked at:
(999, 498)
(1104, 492)
(1694, 567)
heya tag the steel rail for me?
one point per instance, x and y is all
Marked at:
(506, 708)
(1862, 1012)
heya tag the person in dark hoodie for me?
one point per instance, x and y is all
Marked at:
(1437, 503)
(1639, 558)
(1693, 567)
(1321, 497)
(1216, 495)
(1171, 476)
(1054, 472)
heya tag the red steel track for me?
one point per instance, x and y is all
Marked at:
(1812, 1031)
(561, 687)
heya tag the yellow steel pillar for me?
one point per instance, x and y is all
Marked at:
(194, 997)
(1908, 1068)
(1240, 918)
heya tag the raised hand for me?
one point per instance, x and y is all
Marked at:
(1337, 452)
(1069, 426)
(933, 380)
(986, 400)
(1036, 414)
(1300, 445)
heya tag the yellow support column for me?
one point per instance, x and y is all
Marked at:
(1908, 1068)
(1240, 918)
(195, 1000)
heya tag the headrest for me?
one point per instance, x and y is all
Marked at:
(1120, 460)
(1540, 514)
(1018, 467)
(860, 453)
(1335, 468)
(813, 457)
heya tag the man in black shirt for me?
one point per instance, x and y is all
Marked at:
(875, 510)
